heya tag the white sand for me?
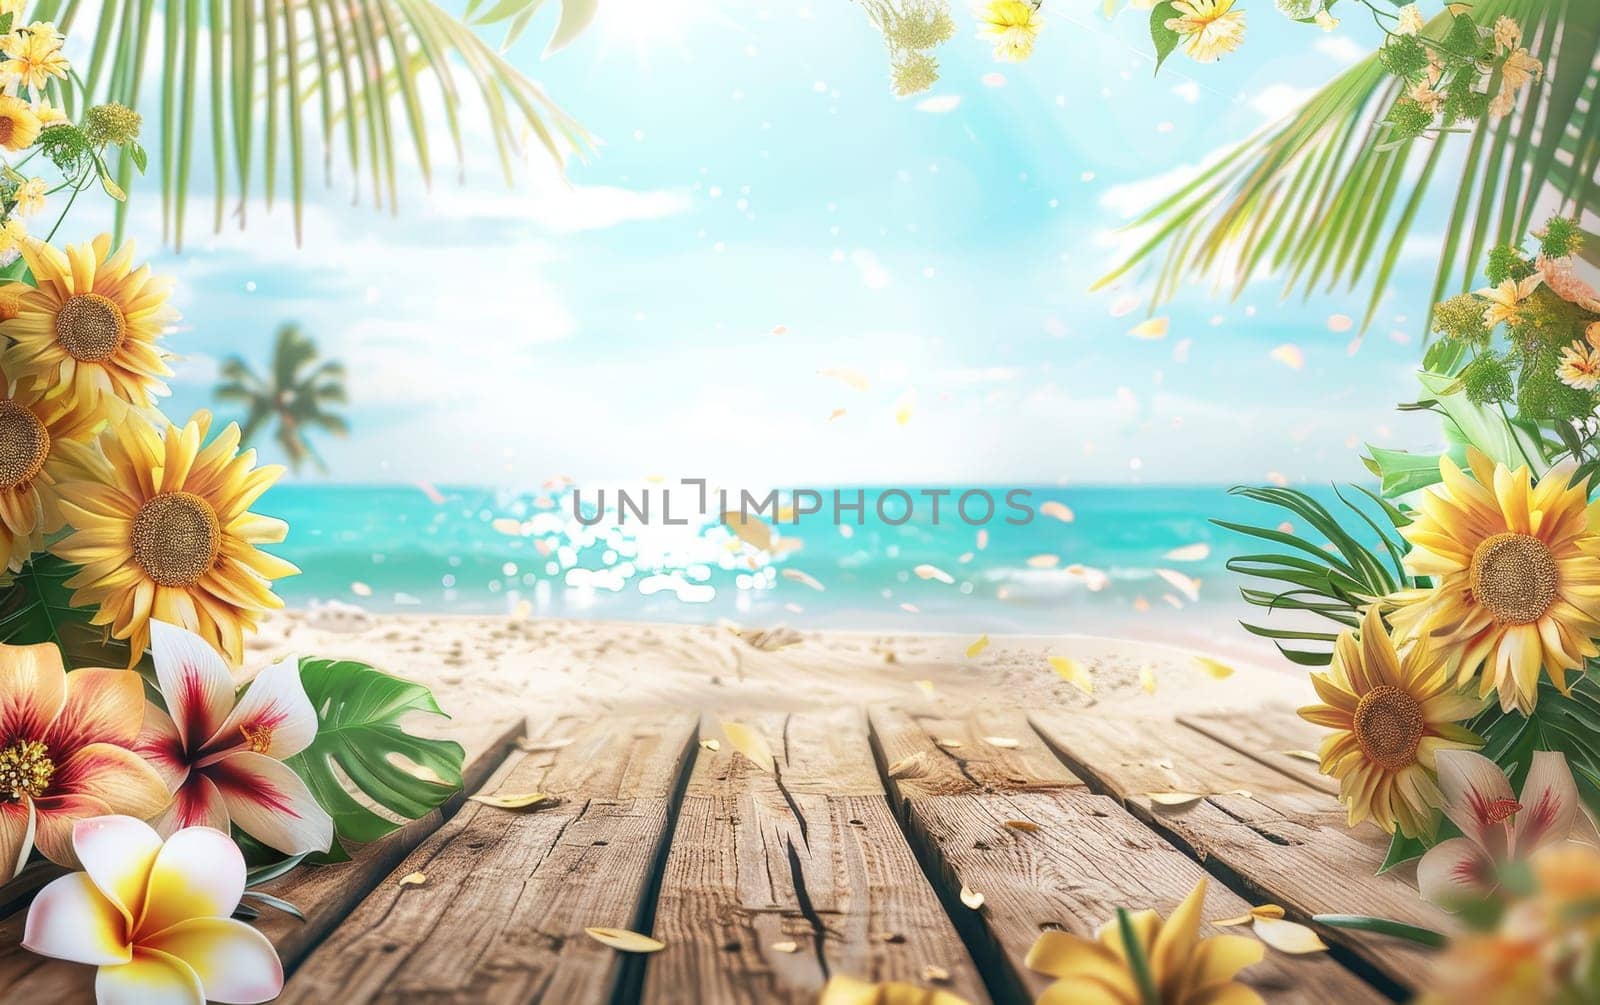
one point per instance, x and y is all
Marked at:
(495, 668)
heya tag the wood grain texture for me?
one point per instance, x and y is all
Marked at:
(324, 894)
(1088, 857)
(508, 894)
(1269, 735)
(811, 855)
(1283, 841)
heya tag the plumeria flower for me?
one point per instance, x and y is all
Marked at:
(1507, 297)
(224, 761)
(154, 917)
(1497, 828)
(65, 753)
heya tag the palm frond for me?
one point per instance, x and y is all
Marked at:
(273, 70)
(1333, 579)
(1320, 201)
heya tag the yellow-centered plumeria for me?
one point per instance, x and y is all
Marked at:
(89, 327)
(1391, 714)
(1209, 29)
(1012, 25)
(1516, 572)
(1184, 968)
(162, 529)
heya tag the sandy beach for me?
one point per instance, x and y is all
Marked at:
(498, 667)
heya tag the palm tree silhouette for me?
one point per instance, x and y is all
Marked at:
(296, 392)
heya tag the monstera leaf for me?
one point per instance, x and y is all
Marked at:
(1569, 723)
(35, 607)
(359, 736)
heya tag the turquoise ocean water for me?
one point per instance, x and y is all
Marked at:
(1128, 561)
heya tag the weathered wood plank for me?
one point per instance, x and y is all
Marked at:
(811, 855)
(1088, 857)
(1283, 840)
(508, 894)
(324, 894)
(1270, 735)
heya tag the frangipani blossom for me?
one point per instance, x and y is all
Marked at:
(1497, 827)
(65, 753)
(153, 916)
(224, 761)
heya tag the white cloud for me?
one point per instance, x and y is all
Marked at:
(872, 271)
(1344, 50)
(1188, 91)
(940, 103)
(1278, 100)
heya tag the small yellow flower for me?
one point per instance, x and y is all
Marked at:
(1507, 34)
(33, 56)
(19, 126)
(1411, 21)
(15, 8)
(1432, 101)
(1210, 28)
(12, 233)
(48, 114)
(30, 196)
(1505, 299)
(1579, 367)
(1326, 21)
(1012, 25)
(1520, 69)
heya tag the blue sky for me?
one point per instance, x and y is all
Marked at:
(756, 172)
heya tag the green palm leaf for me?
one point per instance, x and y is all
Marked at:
(275, 70)
(297, 392)
(1320, 200)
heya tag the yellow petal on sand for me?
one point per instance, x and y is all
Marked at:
(1025, 826)
(712, 744)
(1289, 355)
(1304, 755)
(951, 742)
(624, 940)
(786, 947)
(926, 571)
(1189, 553)
(752, 530)
(848, 376)
(1044, 561)
(511, 800)
(1215, 669)
(978, 646)
(1073, 673)
(935, 975)
(1154, 328)
(1057, 510)
(1288, 936)
(1147, 679)
(905, 408)
(1185, 585)
(803, 579)
(1174, 799)
(413, 879)
(1003, 742)
(1243, 919)
(751, 744)
(925, 686)
(971, 898)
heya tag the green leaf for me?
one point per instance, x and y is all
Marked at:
(1382, 926)
(1486, 427)
(1165, 38)
(359, 710)
(1402, 472)
(36, 607)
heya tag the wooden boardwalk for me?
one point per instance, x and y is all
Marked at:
(848, 858)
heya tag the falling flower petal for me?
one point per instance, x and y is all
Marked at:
(1073, 673)
(1183, 584)
(624, 940)
(1155, 328)
(1147, 679)
(933, 572)
(1289, 355)
(1189, 553)
(1340, 323)
(904, 408)
(803, 579)
(712, 744)
(971, 898)
(1215, 669)
(1057, 510)
(751, 744)
(847, 376)
(786, 947)
(977, 647)
(1044, 561)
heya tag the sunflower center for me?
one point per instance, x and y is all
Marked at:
(24, 445)
(176, 538)
(90, 328)
(1388, 725)
(1514, 577)
(25, 770)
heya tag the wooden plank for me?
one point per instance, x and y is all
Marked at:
(1284, 841)
(811, 855)
(501, 915)
(324, 894)
(1088, 857)
(1271, 735)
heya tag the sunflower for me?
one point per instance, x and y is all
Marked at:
(19, 125)
(162, 531)
(90, 325)
(41, 443)
(1210, 29)
(1390, 715)
(1516, 577)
